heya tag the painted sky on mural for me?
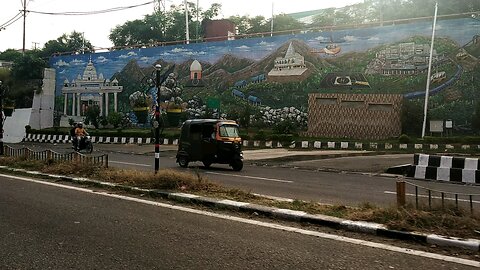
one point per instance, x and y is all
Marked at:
(42, 28)
(359, 40)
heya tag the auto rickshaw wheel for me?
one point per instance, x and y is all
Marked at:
(183, 161)
(237, 165)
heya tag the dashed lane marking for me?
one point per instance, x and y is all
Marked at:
(252, 177)
(128, 163)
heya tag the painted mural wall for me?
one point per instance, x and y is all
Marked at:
(281, 71)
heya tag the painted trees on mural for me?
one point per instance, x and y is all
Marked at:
(281, 71)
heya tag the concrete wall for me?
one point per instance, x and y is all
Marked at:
(44, 102)
(14, 126)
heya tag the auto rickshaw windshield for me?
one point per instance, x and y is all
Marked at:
(228, 131)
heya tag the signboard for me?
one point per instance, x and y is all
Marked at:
(436, 126)
(448, 124)
(213, 103)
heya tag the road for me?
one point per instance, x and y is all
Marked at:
(52, 226)
(308, 185)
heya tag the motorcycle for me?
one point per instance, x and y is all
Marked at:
(86, 144)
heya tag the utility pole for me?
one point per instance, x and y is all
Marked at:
(156, 124)
(271, 26)
(187, 34)
(24, 23)
(198, 20)
(427, 90)
(159, 80)
(1, 118)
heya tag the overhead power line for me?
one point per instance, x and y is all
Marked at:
(83, 13)
(11, 21)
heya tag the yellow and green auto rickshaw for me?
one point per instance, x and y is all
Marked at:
(210, 141)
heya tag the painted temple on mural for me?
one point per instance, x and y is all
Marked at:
(293, 64)
(88, 90)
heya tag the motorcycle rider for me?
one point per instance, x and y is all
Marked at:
(80, 133)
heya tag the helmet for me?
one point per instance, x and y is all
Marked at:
(80, 124)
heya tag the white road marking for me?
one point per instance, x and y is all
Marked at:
(265, 224)
(252, 177)
(433, 197)
(128, 163)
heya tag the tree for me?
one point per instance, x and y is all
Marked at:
(412, 117)
(476, 118)
(28, 67)
(212, 12)
(160, 26)
(10, 55)
(258, 24)
(284, 23)
(71, 43)
(92, 116)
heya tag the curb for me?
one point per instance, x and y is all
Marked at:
(284, 214)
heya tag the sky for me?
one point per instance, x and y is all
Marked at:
(96, 28)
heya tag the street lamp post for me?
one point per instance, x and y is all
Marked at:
(159, 80)
(1, 118)
(156, 124)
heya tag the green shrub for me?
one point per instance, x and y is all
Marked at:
(286, 127)
(260, 136)
(404, 139)
(115, 119)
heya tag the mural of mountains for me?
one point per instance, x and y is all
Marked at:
(362, 49)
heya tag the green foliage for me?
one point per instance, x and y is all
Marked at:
(74, 42)
(103, 121)
(161, 26)
(71, 122)
(260, 136)
(286, 127)
(404, 138)
(476, 117)
(115, 119)
(92, 116)
(10, 55)
(284, 22)
(412, 117)
(244, 116)
(28, 67)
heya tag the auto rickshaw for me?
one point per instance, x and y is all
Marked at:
(210, 141)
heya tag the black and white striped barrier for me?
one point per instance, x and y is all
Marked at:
(311, 145)
(446, 168)
(96, 139)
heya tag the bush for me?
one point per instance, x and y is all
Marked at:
(404, 139)
(260, 136)
(115, 119)
(285, 139)
(286, 127)
(28, 129)
(92, 116)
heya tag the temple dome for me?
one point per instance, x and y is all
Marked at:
(196, 66)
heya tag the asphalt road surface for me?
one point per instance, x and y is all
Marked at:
(308, 185)
(65, 227)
